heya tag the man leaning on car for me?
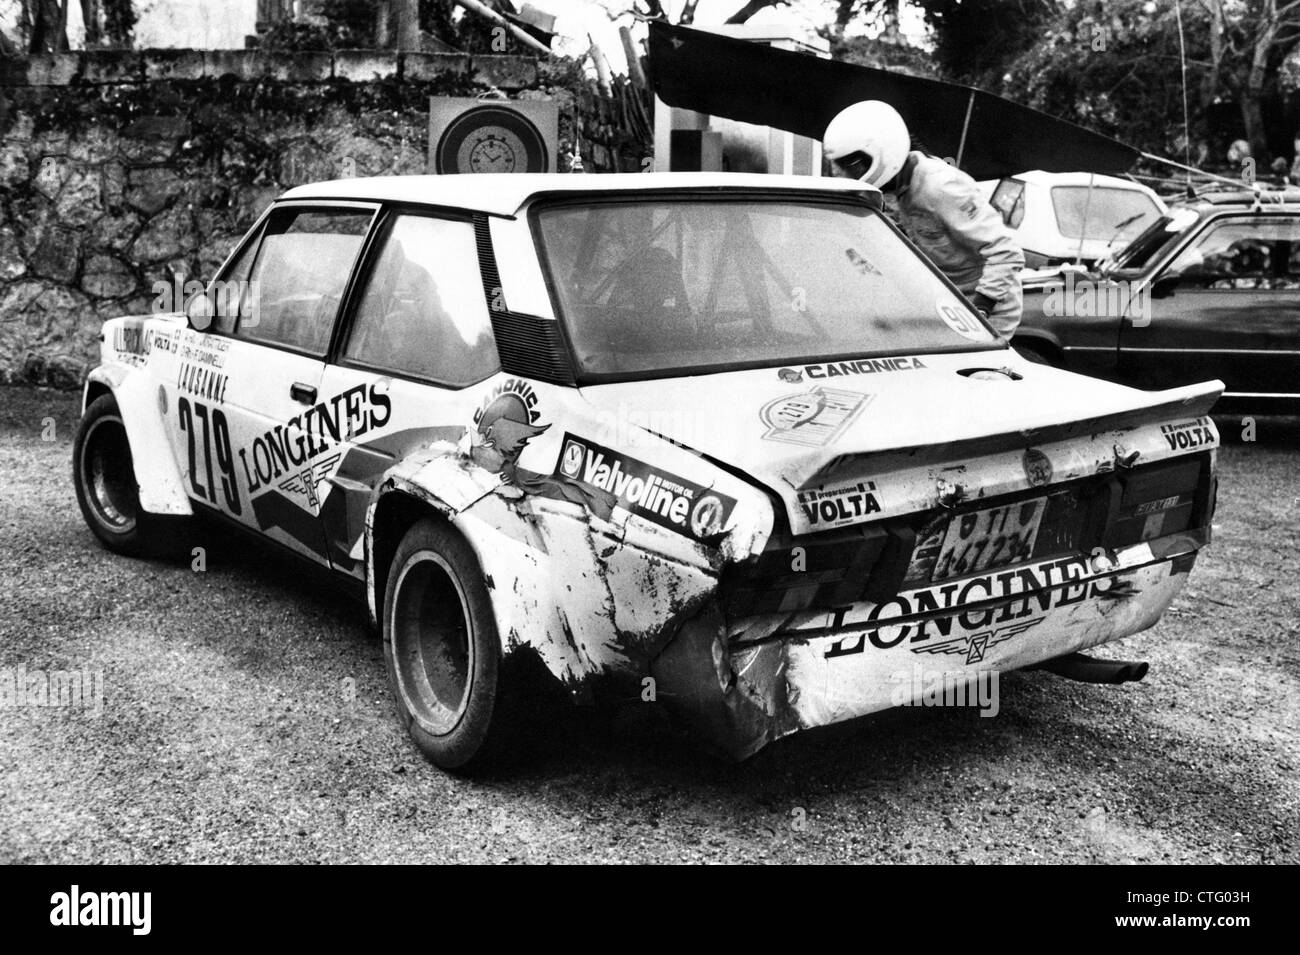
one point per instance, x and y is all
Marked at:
(939, 206)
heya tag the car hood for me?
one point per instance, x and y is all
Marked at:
(901, 421)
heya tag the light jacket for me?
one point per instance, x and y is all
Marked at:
(941, 210)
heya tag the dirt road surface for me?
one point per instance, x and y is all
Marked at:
(246, 718)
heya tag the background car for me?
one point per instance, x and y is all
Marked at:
(1060, 217)
(1212, 289)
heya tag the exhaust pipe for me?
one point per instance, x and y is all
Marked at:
(1086, 669)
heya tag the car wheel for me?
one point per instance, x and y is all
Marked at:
(104, 476)
(1035, 354)
(443, 655)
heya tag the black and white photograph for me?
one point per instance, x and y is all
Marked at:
(652, 432)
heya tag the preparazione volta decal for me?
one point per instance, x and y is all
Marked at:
(812, 418)
(667, 500)
(839, 504)
(1188, 434)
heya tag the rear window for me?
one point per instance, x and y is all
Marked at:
(683, 285)
(1112, 215)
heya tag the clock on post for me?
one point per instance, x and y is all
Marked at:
(478, 136)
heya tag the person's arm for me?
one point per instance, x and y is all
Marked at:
(973, 222)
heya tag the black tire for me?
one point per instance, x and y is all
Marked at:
(1036, 354)
(453, 692)
(104, 476)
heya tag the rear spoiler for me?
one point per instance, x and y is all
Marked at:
(1189, 401)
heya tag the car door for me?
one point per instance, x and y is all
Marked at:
(417, 335)
(1226, 306)
(251, 434)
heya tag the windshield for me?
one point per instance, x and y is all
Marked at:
(687, 284)
(1148, 247)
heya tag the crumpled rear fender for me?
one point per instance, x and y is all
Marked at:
(592, 597)
(141, 402)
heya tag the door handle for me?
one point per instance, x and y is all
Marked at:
(305, 394)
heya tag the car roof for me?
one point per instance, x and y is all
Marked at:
(1098, 180)
(1287, 200)
(504, 194)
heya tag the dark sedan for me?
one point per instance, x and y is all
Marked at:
(1211, 290)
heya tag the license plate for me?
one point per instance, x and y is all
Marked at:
(991, 538)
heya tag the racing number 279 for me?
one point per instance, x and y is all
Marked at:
(214, 427)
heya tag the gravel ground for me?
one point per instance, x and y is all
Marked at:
(246, 718)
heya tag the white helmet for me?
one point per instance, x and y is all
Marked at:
(868, 141)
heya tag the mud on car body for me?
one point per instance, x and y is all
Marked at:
(729, 434)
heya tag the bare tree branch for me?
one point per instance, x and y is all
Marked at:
(753, 6)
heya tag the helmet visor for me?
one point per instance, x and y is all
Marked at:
(855, 165)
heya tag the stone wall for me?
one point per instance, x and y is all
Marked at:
(120, 170)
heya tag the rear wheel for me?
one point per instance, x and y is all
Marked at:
(443, 654)
(104, 476)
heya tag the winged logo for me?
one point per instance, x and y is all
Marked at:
(306, 480)
(975, 645)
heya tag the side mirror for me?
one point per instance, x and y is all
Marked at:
(199, 312)
(1164, 286)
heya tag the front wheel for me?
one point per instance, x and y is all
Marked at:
(443, 654)
(104, 476)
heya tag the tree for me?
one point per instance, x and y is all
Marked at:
(1249, 42)
(46, 25)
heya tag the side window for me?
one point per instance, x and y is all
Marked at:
(1239, 254)
(1009, 199)
(298, 278)
(228, 293)
(422, 313)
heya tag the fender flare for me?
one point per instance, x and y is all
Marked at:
(142, 404)
(404, 480)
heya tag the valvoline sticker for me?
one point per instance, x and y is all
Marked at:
(646, 491)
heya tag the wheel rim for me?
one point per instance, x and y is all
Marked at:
(108, 476)
(433, 646)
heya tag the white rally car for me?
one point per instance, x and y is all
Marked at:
(726, 442)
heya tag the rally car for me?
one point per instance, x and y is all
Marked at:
(727, 442)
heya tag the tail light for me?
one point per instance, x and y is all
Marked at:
(1159, 500)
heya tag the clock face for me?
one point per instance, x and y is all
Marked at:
(492, 149)
(491, 139)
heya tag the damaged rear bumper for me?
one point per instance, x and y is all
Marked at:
(745, 683)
